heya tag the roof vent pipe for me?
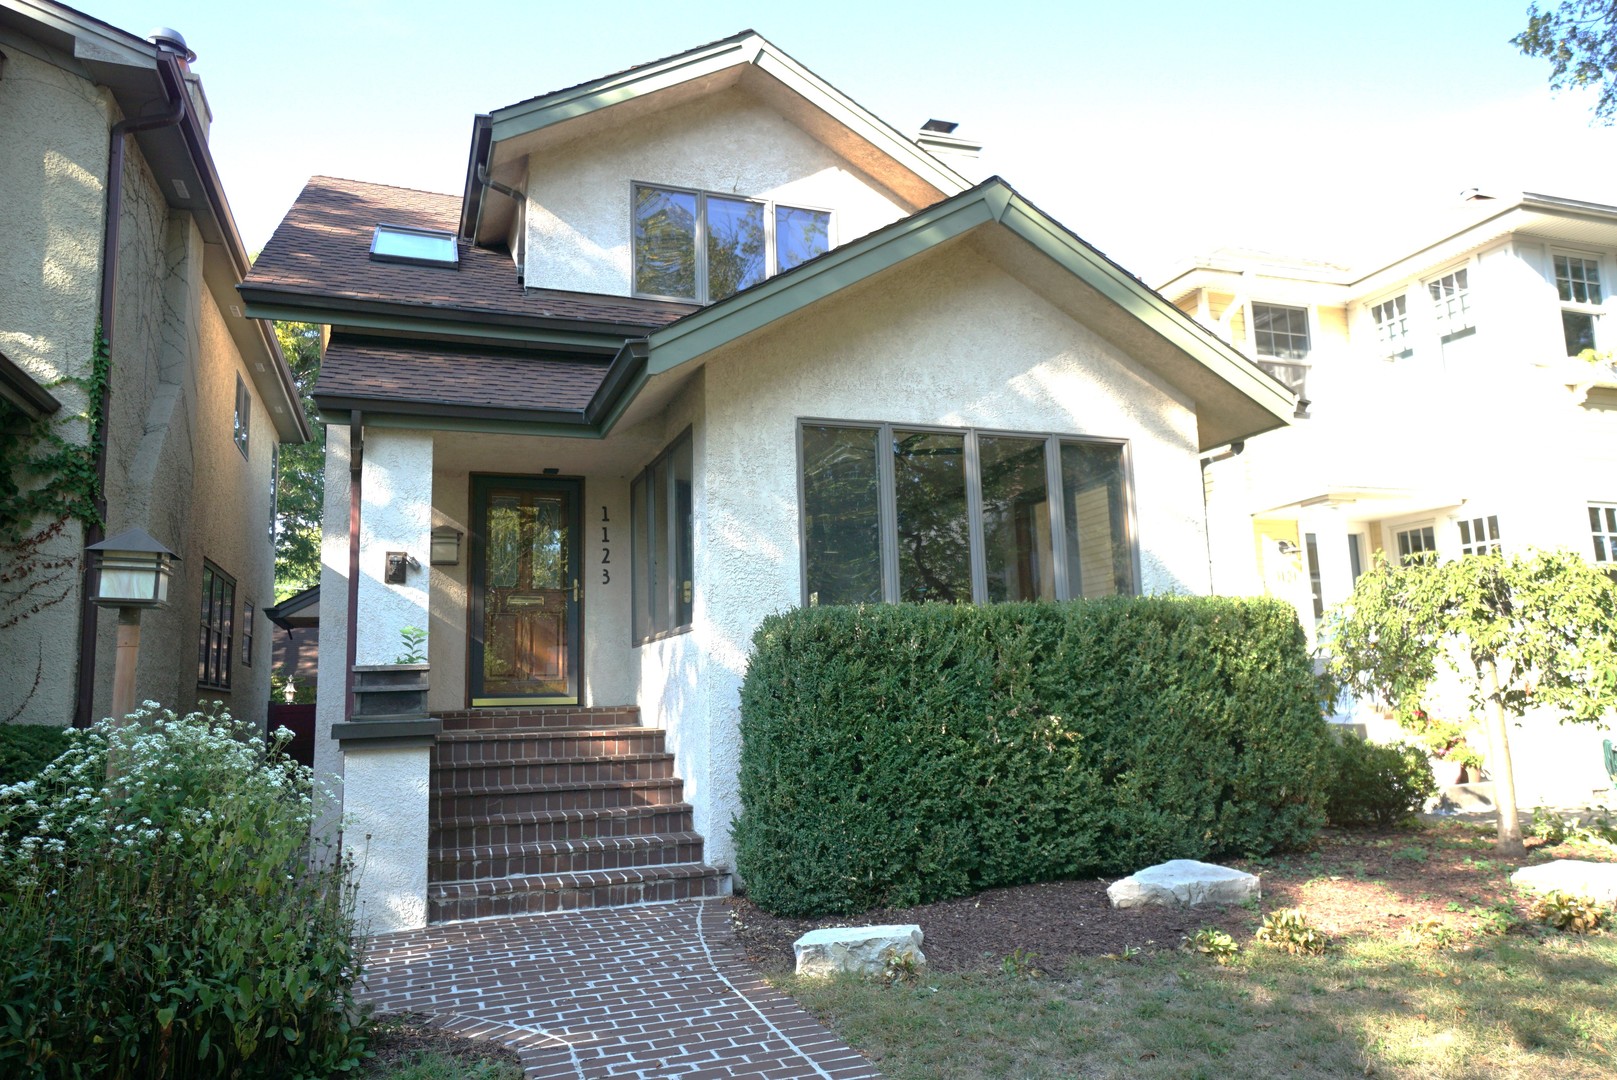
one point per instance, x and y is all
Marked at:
(170, 40)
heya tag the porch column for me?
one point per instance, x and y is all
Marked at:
(387, 742)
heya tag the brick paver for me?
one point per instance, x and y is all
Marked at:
(652, 991)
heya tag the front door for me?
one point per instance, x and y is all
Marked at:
(525, 613)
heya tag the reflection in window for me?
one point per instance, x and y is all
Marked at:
(841, 521)
(735, 246)
(660, 531)
(740, 249)
(1100, 560)
(934, 552)
(665, 242)
(1016, 519)
(218, 614)
(800, 235)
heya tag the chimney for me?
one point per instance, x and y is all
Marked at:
(171, 41)
(937, 137)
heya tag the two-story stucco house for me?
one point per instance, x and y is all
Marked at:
(1449, 408)
(698, 342)
(113, 220)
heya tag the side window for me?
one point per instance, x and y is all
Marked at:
(1577, 285)
(216, 628)
(244, 415)
(660, 530)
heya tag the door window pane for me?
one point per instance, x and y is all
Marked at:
(934, 546)
(1100, 561)
(842, 531)
(800, 235)
(735, 246)
(1016, 519)
(665, 242)
(661, 513)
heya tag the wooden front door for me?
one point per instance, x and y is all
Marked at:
(525, 615)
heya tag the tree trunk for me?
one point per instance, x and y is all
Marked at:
(1509, 843)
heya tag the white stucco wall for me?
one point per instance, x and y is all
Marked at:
(395, 515)
(331, 694)
(949, 339)
(578, 217)
(385, 822)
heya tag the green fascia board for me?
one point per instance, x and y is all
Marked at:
(542, 112)
(378, 417)
(994, 200)
(438, 328)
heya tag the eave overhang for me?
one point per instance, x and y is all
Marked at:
(26, 395)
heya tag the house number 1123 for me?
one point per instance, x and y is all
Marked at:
(606, 548)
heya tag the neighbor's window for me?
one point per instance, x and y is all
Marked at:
(1416, 541)
(1280, 338)
(1603, 530)
(695, 245)
(898, 513)
(1479, 536)
(218, 617)
(421, 247)
(1577, 282)
(1392, 326)
(660, 512)
(247, 633)
(1451, 301)
(244, 415)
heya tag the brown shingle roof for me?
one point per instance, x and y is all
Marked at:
(363, 369)
(322, 250)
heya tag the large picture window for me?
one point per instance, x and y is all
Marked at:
(693, 245)
(217, 625)
(660, 511)
(894, 512)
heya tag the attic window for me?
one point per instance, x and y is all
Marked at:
(422, 247)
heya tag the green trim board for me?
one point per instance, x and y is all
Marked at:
(473, 328)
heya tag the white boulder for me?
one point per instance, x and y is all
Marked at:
(1575, 877)
(1183, 882)
(865, 950)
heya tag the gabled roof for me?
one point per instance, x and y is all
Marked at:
(507, 136)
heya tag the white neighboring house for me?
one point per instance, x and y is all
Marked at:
(1449, 406)
(698, 342)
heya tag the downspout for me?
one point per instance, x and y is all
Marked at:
(174, 89)
(1207, 531)
(356, 461)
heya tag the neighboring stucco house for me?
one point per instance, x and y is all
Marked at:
(1449, 409)
(198, 396)
(698, 342)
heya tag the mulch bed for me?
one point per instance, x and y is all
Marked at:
(1361, 882)
(401, 1038)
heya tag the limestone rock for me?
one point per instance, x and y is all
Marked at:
(1183, 882)
(861, 949)
(1575, 877)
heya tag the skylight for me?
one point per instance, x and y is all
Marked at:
(423, 247)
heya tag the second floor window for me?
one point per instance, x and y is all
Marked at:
(1451, 301)
(218, 617)
(1603, 529)
(1392, 326)
(244, 415)
(1479, 536)
(1280, 338)
(693, 245)
(1577, 283)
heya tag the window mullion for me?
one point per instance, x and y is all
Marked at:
(701, 247)
(974, 521)
(1056, 496)
(887, 513)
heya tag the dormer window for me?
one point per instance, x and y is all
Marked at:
(1577, 283)
(695, 245)
(1280, 338)
(420, 247)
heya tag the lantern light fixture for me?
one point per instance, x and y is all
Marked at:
(446, 546)
(133, 570)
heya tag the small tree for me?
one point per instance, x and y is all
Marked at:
(1579, 39)
(1535, 630)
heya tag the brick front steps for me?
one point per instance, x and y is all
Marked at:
(551, 809)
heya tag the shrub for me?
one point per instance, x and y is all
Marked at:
(898, 754)
(1290, 930)
(27, 748)
(170, 922)
(1376, 784)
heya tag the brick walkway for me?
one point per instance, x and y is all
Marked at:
(650, 991)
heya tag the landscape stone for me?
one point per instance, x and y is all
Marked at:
(1575, 877)
(864, 950)
(1183, 882)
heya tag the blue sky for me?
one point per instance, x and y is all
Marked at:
(1155, 131)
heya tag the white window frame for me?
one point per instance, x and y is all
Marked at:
(1593, 309)
(701, 283)
(1603, 528)
(1479, 534)
(1395, 529)
(1451, 311)
(1392, 328)
(1269, 361)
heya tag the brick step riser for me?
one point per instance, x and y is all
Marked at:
(573, 862)
(655, 823)
(544, 719)
(454, 805)
(539, 901)
(518, 746)
(476, 777)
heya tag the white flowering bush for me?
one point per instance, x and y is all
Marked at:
(167, 916)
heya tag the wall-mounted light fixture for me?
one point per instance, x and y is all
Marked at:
(1289, 547)
(133, 570)
(446, 546)
(398, 566)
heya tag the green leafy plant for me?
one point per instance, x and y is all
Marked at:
(27, 748)
(174, 922)
(1375, 784)
(1431, 933)
(1214, 944)
(1019, 963)
(1595, 830)
(1579, 39)
(415, 645)
(1445, 739)
(1565, 911)
(1290, 930)
(898, 754)
(902, 967)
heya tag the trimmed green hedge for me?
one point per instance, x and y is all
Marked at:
(27, 748)
(897, 754)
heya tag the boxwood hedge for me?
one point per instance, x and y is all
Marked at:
(898, 754)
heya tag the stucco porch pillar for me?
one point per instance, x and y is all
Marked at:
(1329, 528)
(387, 741)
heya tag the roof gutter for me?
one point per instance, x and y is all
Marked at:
(168, 70)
